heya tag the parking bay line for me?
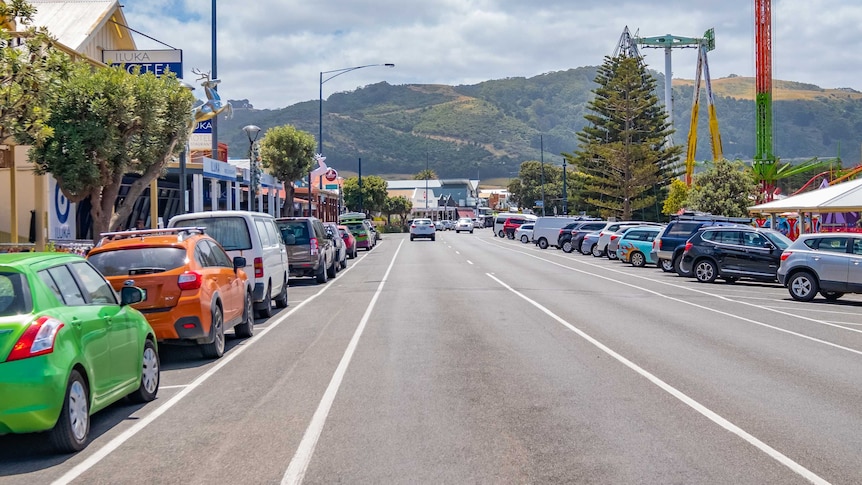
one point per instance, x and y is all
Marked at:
(684, 398)
(143, 422)
(301, 459)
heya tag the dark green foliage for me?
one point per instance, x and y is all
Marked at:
(725, 188)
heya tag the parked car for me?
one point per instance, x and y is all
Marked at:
(669, 245)
(733, 252)
(524, 232)
(340, 247)
(589, 241)
(349, 241)
(546, 230)
(478, 223)
(448, 225)
(599, 247)
(511, 225)
(464, 224)
(828, 263)
(355, 223)
(254, 236)
(614, 240)
(194, 290)
(372, 231)
(570, 238)
(501, 218)
(310, 247)
(69, 348)
(422, 228)
(438, 225)
(635, 244)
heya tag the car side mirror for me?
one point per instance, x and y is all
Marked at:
(238, 262)
(131, 294)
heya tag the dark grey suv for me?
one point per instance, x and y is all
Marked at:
(310, 247)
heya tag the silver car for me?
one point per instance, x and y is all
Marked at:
(464, 224)
(422, 228)
(829, 263)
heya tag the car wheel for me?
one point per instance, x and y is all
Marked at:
(666, 265)
(803, 286)
(543, 243)
(501, 234)
(612, 255)
(321, 275)
(411, 237)
(246, 328)
(705, 271)
(457, 232)
(149, 387)
(589, 250)
(831, 295)
(637, 259)
(281, 299)
(524, 239)
(72, 430)
(215, 349)
(354, 252)
(265, 308)
(567, 247)
(433, 238)
(596, 252)
(471, 231)
(677, 266)
(333, 269)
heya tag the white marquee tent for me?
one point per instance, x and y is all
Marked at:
(843, 197)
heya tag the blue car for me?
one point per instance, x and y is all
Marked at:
(636, 245)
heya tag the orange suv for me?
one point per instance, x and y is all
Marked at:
(194, 292)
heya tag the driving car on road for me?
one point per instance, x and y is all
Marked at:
(464, 224)
(422, 228)
(828, 263)
(69, 347)
(194, 290)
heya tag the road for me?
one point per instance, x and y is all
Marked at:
(473, 359)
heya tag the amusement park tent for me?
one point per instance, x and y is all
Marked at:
(843, 197)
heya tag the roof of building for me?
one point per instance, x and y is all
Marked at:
(76, 22)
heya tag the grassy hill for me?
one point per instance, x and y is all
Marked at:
(491, 127)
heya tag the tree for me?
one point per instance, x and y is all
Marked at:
(676, 197)
(622, 153)
(397, 205)
(726, 188)
(31, 70)
(425, 174)
(287, 154)
(373, 193)
(107, 123)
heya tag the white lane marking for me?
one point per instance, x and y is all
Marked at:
(805, 308)
(143, 422)
(700, 408)
(704, 293)
(174, 387)
(299, 463)
(469, 262)
(457, 252)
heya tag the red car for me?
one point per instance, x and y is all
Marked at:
(349, 241)
(510, 225)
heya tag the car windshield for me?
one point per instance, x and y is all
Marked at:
(13, 291)
(357, 228)
(135, 261)
(230, 232)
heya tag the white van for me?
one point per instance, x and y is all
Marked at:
(546, 230)
(500, 219)
(254, 236)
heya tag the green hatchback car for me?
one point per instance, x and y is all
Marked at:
(69, 347)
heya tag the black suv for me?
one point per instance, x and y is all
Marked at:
(668, 246)
(571, 237)
(733, 252)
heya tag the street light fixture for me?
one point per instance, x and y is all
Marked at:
(334, 73)
(252, 131)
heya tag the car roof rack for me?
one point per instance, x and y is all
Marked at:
(706, 216)
(181, 232)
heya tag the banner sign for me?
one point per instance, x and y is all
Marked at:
(219, 170)
(156, 61)
(62, 216)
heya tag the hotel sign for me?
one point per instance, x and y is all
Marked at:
(158, 62)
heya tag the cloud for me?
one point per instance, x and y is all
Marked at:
(272, 52)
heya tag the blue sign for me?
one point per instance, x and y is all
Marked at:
(159, 62)
(204, 127)
(540, 203)
(219, 170)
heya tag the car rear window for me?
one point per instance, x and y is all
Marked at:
(13, 294)
(231, 232)
(135, 261)
(683, 228)
(295, 231)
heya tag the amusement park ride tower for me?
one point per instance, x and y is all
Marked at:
(765, 165)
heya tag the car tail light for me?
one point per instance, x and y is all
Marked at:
(657, 244)
(190, 280)
(785, 255)
(314, 247)
(614, 237)
(688, 246)
(38, 339)
(258, 267)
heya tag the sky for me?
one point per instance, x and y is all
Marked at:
(271, 52)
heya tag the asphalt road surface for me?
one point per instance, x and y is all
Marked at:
(473, 359)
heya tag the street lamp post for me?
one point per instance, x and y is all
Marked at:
(334, 73)
(251, 131)
(426, 182)
(542, 155)
(360, 185)
(565, 192)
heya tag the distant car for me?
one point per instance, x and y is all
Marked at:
(734, 252)
(478, 223)
(511, 225)
(464, 224)
(69, 347)
(828, 263)
(340, 246)
(422, 228)
(524, 233)
(449, 225)
(194, 290)
(310, 247)
(438, 225)
(349, 241)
